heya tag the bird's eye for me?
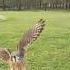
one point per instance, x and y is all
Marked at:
(14, 56)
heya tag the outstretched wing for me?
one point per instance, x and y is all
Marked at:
(4, 54)
(30, 36)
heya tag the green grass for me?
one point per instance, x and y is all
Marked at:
(51, 51)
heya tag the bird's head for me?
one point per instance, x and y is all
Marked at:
(15, 58)
(16, 63)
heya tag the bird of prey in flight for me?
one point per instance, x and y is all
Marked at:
(16, 61)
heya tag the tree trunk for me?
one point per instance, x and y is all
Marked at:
(19, 4)
(3, 4)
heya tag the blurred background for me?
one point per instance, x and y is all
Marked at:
(34, 4)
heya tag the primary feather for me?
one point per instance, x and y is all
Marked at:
(30, 36)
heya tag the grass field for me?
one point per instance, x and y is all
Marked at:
(51, 51)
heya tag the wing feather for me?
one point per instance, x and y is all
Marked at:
(30, 36)
(4, 54)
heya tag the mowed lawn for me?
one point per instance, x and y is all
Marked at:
(51, 51)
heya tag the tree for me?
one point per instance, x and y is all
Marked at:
(3, 4)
